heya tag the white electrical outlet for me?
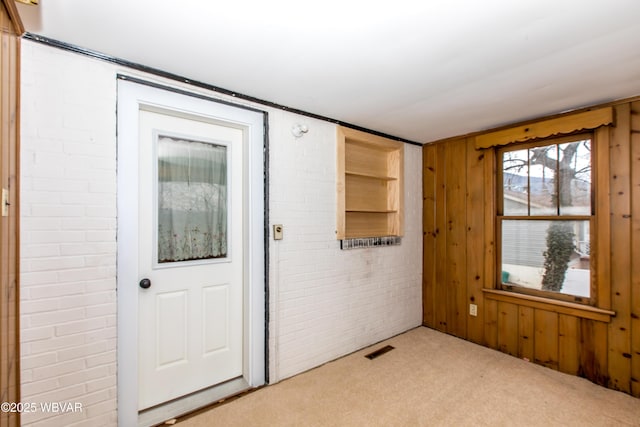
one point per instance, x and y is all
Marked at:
(473, 309)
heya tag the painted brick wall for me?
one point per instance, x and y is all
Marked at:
(324, 302)
(68, 247)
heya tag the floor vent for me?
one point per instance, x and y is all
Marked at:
(379, 352)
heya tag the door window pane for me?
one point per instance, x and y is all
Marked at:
(192, 200)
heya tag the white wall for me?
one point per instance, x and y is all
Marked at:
(324, 302)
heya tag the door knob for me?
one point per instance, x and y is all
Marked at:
(145, 283)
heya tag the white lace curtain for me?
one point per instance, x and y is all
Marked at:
(192, 200)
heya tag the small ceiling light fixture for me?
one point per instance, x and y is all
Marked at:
(298, 130)
(32, 2)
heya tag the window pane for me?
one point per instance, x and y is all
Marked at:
(575, 178)
(543, 166)
(547, 255)
(192, 200)
(515, 171)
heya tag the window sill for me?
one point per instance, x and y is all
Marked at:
(563, 307)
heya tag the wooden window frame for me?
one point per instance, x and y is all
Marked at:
(549, 296)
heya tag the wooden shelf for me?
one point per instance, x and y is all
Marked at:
(367, 224)
(370, 210)
(370, 182)
(365, 175)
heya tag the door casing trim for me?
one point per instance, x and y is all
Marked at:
(133, 94)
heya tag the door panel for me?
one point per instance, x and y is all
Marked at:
(191, 248)
(215, 322)
(171, 335)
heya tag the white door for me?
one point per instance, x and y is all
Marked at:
(191, 221)
(191, 234)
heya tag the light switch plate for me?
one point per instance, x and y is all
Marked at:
(278, 232)
(5, 202)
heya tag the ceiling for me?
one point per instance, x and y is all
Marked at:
(419, 70)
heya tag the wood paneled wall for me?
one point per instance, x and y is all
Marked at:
(459, 262)
(10, 29)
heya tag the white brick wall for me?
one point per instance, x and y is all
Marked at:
(324, 302)
(68, 248)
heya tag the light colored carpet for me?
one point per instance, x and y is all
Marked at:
(429, 379)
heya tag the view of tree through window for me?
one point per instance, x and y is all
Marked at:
(544, 216)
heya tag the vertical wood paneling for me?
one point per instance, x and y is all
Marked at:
(594, 351)
(9, 92)
(587, 357)
(441, 243)
(508, 328)
(455, 202)
(526, 333)
(635, 249)
(545, 347)
(429, 235)
(475, 241)
(491, 323)
(607, 353)
(619, 328)
(568, 344)
(601, 353)
(593, 356)
(489, 208)
(14, 212)
(5, 302)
